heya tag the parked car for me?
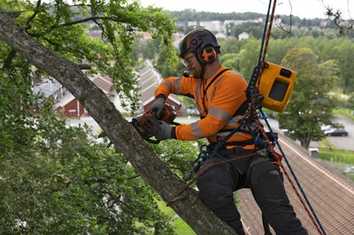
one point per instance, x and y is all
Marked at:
(336, 131)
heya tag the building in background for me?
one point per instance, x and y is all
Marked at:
(148, 79)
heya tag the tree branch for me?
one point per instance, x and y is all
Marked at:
(336, 17)
(78, 5)
(84, 66)
(36, 11)
(92, 18)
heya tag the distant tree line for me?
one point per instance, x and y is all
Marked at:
(289, 26)
(193, 15)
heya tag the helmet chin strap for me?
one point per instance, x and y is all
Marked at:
(202, 71)
(202, 65)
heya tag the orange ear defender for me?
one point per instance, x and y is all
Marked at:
(208, 54)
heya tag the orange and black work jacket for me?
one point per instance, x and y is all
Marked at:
(218, 99)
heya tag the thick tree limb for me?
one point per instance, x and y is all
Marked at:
(121, 133)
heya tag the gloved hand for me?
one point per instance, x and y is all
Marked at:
(160, 129)
(157, 105)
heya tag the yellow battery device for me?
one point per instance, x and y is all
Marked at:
(276, 85)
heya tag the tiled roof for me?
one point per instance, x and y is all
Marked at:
(148, 80)
(105, 83)
(331, 196)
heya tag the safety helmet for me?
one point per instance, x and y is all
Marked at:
(202, 43)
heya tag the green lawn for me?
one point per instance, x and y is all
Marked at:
(344, 112)
(337, 155)
(342, 158)
(329, 153)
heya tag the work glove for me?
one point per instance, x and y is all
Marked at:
(160, 129)
(157, 105)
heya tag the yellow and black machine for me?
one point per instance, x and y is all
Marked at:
(276, 85)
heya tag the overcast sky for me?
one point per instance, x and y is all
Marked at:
(301, 8)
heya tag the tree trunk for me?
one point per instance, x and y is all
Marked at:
(305, 142)
(121, 133)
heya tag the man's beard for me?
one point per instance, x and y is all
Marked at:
(197, 73)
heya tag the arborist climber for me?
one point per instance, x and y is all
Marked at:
(220, 95)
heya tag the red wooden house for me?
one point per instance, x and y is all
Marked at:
(69, 106)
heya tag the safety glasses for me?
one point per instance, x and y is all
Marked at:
(188, 60)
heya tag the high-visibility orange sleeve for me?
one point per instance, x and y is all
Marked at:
(229, 94)
(176, 85)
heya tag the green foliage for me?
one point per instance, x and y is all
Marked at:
(230, 45)
(278, 48)
(179, 155)
(349, 113)
(55, 179)
(168, 62)
(164, 58)
(351, 102)
(248, 57)
(230, 60)
(344, 55)
(310, 105)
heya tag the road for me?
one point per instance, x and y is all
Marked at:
(340, 142)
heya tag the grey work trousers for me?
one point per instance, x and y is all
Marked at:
(217, 184)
